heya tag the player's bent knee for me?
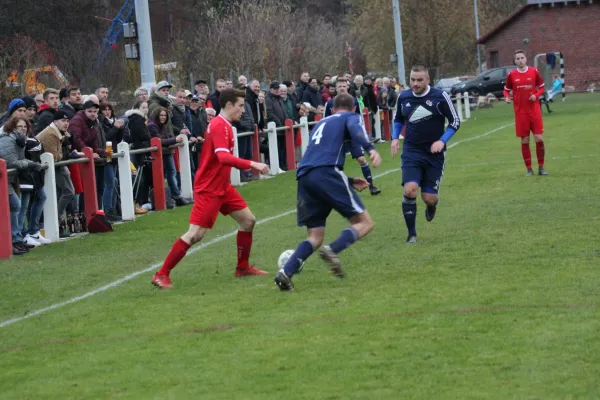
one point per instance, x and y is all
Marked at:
(248, 223)
(411, 189)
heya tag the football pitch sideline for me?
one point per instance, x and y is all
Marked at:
(499, 298)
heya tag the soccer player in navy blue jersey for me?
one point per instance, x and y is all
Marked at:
(356, 151)
(424, 111)
(323, 186)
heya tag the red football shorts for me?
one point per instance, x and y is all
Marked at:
(207, 207)
(526, 123)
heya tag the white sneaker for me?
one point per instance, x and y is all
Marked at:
(147, 207)
(31, 241)
(39, 238)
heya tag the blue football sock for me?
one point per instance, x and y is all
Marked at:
(345, 240)
(366, 171)
(293, 265)
(409, 209)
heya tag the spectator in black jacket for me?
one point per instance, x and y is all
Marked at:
(216, 95)
(74, 102)
(302, 85)
(113, 130)
(199, 123)
(252, 93)
(47, 110)
(312, 96)
(276, 113)
(140, 139)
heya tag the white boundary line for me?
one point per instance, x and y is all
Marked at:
(218, 239)
(480, 136)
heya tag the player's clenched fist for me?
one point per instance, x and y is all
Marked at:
(375, 158)
(260, 167)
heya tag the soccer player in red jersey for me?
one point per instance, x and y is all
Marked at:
(213, 193)
(527, 86)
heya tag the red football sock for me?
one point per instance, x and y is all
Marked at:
(526, 151)
(175, 255)
(540, 151)
(244, 245)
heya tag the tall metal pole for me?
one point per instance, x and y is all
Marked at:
(399, 46)
(142, 16)
(477, 34)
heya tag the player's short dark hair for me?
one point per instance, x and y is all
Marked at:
(230, 96)
(343, 101)
(419, 68)
(518, 51)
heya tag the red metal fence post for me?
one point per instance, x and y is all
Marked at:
(5, 233)
(88, 179)
(158, 176)
(290, 147)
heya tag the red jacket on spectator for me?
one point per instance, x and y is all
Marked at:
(325, 95)
(85, 132)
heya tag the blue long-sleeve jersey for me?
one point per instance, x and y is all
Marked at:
(329, 140)
(424, 116)
(329, 107)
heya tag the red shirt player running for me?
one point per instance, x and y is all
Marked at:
(527, 86)
(213, 193)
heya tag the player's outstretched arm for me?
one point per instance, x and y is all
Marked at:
(226, 158)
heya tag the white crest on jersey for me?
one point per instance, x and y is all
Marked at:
(419, 114)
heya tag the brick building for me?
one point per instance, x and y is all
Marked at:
(541, 26)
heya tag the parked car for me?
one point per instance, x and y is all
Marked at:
(491, 81)
(446, 83)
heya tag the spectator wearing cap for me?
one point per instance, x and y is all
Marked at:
(159, 97)
(74, 102)
(55, 139)
(276, 114)
(16, 108)
(84, 127)
(31, 112)
(216, 95)
(201, 87)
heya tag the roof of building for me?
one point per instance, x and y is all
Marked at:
(530, 4)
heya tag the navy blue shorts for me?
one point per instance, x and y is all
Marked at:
(424, 168)
(322, 190)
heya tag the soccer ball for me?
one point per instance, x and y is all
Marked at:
(284, 257)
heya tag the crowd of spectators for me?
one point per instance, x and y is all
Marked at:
(63, 122)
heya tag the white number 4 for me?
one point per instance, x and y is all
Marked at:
(318, 134)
